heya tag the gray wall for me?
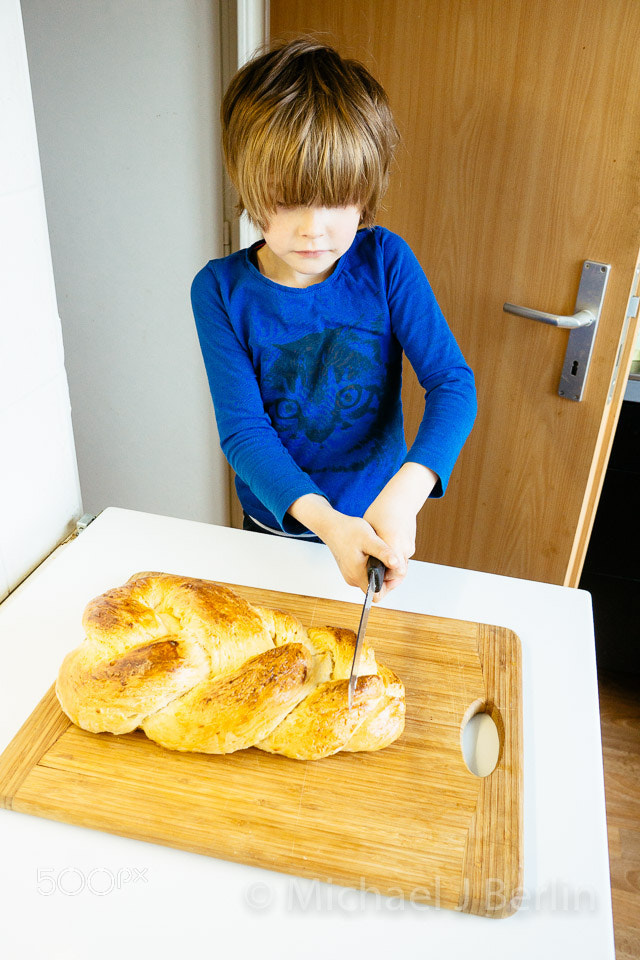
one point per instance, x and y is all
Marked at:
(126, 96)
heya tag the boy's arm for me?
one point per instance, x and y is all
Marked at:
(247, 437)
(450, 402)
(448, 382)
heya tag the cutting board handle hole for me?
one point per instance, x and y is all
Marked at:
(482, 738)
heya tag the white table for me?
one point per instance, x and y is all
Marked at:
(72, 893)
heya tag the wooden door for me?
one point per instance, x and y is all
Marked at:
(519, 161)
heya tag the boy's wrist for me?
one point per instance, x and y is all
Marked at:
(412, 484)
(314, 512)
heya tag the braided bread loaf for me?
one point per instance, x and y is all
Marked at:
(199, 668)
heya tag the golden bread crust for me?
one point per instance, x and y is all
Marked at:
(198, 668)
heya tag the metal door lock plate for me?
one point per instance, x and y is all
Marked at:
(583, 324)
(593, 285)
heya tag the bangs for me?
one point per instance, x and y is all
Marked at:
(308, 164)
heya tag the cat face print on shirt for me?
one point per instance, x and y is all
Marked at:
(322, 394)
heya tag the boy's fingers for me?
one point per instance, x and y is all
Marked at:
(392, 578)
(387, 587)
(372, 545)
(382, 551)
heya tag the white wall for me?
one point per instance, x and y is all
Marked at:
(39, 491)
(126, 95)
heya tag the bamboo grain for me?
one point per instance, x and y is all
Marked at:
(422, 824)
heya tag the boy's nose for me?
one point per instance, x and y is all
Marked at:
(311, 224)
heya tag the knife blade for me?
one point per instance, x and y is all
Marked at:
(375, 572)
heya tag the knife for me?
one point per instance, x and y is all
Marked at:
(375, 572)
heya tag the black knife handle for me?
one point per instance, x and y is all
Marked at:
(378, 569)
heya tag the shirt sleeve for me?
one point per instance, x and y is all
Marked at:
(448, 382)
(247, 437)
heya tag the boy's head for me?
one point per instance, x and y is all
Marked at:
(303, 127)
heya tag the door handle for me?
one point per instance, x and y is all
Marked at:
(580, 319)
(583, 324)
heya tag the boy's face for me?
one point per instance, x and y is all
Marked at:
(303, 244)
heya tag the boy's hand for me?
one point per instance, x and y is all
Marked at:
(352, 540)
(397, 527)
(393, 514)
(387, 530)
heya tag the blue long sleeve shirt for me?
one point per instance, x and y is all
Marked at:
(306, 381)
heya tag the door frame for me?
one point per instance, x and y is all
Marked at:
(244, 28)
(619, 380)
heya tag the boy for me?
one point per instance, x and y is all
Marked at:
(302, 334)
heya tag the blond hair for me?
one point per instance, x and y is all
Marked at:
(303, 127)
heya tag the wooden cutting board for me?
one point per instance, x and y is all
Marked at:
(408, 820)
